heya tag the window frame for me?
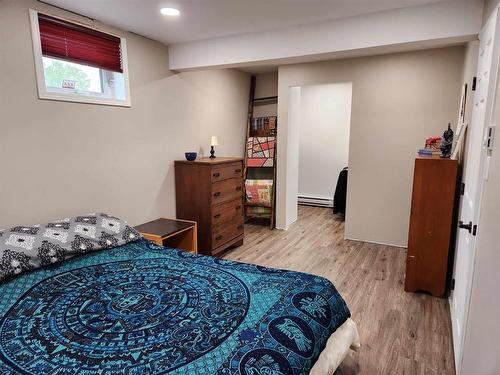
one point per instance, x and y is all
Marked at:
(43, 93)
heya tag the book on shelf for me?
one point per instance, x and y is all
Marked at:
(428, 151)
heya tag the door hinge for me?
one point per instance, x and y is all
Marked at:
(462, 188)
(489, 139)
(474, 80)
(465, 226)
(452, 286)
(474, 230)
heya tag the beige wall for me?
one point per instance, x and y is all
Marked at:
(266, 84)
(59, 159)
(398, 100)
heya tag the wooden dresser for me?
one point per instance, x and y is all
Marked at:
(210, 192)
(431, 221)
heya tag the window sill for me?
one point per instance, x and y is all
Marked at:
(84, 99)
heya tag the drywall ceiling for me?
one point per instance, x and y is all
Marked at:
(436, 24)
(205, 19)
(262, 68)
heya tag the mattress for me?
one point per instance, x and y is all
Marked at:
(337, 347)
(144, 309)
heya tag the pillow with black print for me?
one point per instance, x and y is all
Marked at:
(24, 248)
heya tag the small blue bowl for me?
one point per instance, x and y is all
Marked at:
(190, 156)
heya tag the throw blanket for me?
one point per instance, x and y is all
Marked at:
(144, 309)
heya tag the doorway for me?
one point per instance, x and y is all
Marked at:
(319, 129)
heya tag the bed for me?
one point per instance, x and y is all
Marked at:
(115, 303)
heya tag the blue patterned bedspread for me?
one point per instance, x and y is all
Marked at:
(144, 309)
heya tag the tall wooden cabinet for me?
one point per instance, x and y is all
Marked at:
(431, 220)
(210, 192)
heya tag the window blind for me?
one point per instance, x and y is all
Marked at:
(72, 42)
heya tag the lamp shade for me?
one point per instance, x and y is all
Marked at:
(213, 141)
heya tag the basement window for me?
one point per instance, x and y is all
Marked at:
(78, 64)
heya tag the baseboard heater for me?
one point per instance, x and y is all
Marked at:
(315, 201)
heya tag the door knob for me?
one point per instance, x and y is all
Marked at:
(468, 226)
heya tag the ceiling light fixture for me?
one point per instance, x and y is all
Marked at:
(170, 11)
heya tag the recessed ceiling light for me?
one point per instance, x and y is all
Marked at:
(170, 11)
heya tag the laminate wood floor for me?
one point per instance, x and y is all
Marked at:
(401, 333)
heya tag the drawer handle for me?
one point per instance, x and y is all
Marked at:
(216, 216)
(238, 188)
(237, 207)
(216, 174)
(240, 226)
(218, 238)
(237, 170)
(217, 194)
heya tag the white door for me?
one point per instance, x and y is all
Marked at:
(473, 178)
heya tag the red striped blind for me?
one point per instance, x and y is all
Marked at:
(72, 42)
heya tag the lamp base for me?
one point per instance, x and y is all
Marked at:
(212, 152)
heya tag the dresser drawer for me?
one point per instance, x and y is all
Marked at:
(227, 232)
(224, 191)
(227, 212)
(226, 171)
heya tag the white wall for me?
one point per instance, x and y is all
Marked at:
(489, 7)
(398, 101)
(59, 159)
(425, 26)
(325, 120)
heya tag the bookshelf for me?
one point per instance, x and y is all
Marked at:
(260, 158)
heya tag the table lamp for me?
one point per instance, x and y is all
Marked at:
(213, 142)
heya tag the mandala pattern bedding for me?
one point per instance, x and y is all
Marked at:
(143, 309)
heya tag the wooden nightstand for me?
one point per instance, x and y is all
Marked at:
(179, 234)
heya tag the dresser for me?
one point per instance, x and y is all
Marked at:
(210, 192)
(431, 224)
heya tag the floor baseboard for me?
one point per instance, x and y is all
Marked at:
(315, 201)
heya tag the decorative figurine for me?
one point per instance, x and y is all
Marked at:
(213, 142)
(447, 143)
